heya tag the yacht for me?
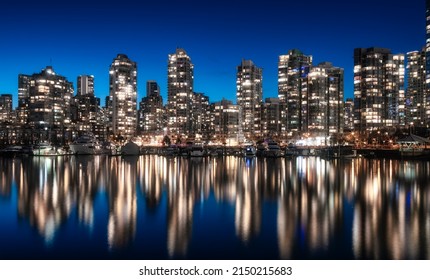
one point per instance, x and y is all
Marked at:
(197, 150)
(273, 150)
(46, 149)
(250, 151)
(86, 145)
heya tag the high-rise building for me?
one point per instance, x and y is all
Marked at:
(44, 104)
(379, 97)
(349, 114)
(225, 122)
(5, 108)
(249, 93)
(7, 122)
(271, 118)
(123, 97)
(427, 47)
(415, 98)
(180, 82)
(325, 115)
(201, 116)
(151, 110)
(87, 105)
(293, 69)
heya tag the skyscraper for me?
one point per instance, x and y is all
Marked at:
(225, 122)
(151, 110)
(5, 108)
(180, 82)
(271, 114)
(249, 93)
(87, 105)
(123, 96)
(201, 116)
(325, 115)
(379, 96)
(427, 63)
(415, 98)
(44, 101)
(293, 69)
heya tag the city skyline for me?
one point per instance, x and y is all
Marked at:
(83, 39)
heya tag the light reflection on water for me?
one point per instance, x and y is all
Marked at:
(156, 207)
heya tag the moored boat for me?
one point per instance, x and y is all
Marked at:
(86, 145)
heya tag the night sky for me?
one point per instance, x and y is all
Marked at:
(83, 37)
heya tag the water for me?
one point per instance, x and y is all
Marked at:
(153, 207)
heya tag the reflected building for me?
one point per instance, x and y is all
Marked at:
(181, 200)
(248, 204)
(45, 195)
(122, 202)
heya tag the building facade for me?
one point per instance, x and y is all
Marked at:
(271, 118)
(325, 115)
(416, 97)
(225, 122)
(379, 97)
(293, 69)
(122, 102)
(87, 106)
(201, 116)
(349, 114)
(180, 81)
(249, 94)
(6, 107)
(44, 106)
(151, 111)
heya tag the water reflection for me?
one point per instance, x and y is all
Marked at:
(363, 209)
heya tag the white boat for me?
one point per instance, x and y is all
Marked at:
(130, 149)
(86, 145)
(46, 149)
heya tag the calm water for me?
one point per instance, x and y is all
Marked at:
(152, 207)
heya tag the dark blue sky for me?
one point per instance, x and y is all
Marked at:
(83, 37)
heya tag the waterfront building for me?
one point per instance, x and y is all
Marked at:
(427, 59)
(249, 93)
(44, 106)
(151, 111)
(86, 106)
(180, 82)
(6, 107)
(271, 118)
(7, 133)
(415, 98)
(201, 116)
(325, 116)
(225, 122)
(293, 69)
(349, 114)
(379, 97)
(123, 97)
